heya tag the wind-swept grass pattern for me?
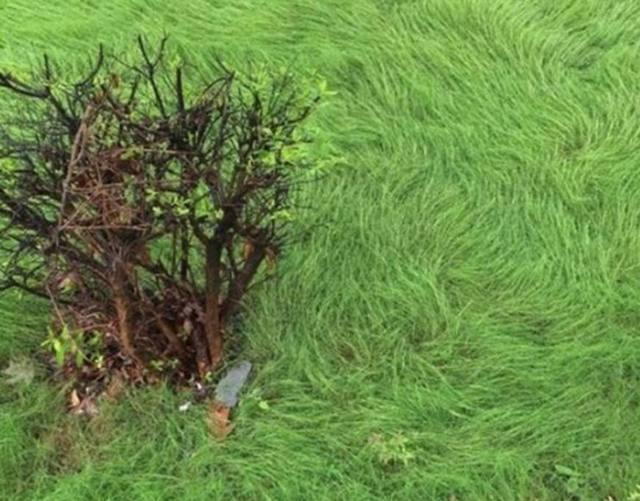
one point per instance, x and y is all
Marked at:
(467, 325)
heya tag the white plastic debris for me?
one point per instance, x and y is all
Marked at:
(184, 407)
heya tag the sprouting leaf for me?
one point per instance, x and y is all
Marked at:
(20, 372)
(293, 153)
(322, 86)
(322, 89)
(391, 450)
(565, 470)
(58, 351)
(79, 358)
(264, 405)
(132, 152)
(282, 215)
(268, 158)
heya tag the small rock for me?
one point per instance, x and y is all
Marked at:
(230, 385)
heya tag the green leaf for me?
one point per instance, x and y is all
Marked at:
(322, 86)
(79, 358)
(282, 215)
(573, 485)
(293, 153)
(132, 152)
(565, 470)
(268, 158)
(59, 354)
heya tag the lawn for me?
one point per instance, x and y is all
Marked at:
(465, 326)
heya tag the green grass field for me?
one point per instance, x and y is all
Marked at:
(466, 328)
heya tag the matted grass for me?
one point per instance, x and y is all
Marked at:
(473, 309)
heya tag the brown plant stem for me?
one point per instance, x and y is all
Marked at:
(212, 323)
(121, 304)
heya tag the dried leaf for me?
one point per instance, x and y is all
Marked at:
(20, 372)
(247, 249)
(218, 420)
(74, 399)
(89, 407)
(271, 259)
(115, 388)
(82, 406)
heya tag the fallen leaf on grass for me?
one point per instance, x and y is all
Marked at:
(20, 372)
(82, 406)
(226, 397)
(115, 388)
(218, 420)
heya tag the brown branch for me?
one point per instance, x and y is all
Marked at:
(122, 305)
(10, 82)
(184, 254)
(151, 67)
(180, 91)
(241, 282)
(10, 283)
(172, 337)
(94, 71)
(212, 324)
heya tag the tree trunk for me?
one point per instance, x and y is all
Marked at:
(121, 303)
(212, 326)
(202, 356)
(239, 286)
